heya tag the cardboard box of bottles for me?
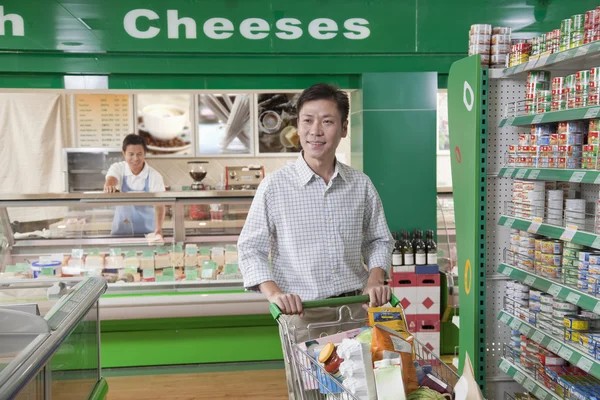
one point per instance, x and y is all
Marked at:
(428, 294)
(404, 286)
(426, 329)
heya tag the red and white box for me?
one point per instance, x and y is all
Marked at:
(404, 287)
(428, 294)
(426, 328)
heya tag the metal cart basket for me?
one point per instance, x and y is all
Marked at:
(310, 381)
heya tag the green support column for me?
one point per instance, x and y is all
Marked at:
(399, 128)
(467, 119)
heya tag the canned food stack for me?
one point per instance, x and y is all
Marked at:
(577, 325)
(577, 30)
(598, 217)
(593, 99)
(526, 251)
(545, 320)
(559, 94)
(582, 86)
(529, 353)
(514, 347)
(500, 48)
(575, 213)
(517, 299)
(528, 198)
(590, 25)
(553, 41)
(589, 272)
(519, 53)
(512, 255)
(555, 206)
(570, 263)
(534, 305)
(480, 39)
(571, 133)
(596, 27)
(593, 273)
(565, 34)
(570, 89)
(537, 81)
(548, 258)
(570, 189)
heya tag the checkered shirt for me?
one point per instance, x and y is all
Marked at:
(314, 234)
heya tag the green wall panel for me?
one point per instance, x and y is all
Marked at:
(356, 130)
(190, 346)
(407, 91)
(173, 341)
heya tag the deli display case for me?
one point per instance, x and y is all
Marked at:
(198, 252)
(187, 285)
(50, 339)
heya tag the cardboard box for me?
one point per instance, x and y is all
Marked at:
(428, 294)
(404, 286)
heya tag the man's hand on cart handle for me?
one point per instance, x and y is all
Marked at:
(379, 293)
(288, 303)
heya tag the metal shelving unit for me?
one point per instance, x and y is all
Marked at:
(527, 381)
(574, 114)
(572, 353)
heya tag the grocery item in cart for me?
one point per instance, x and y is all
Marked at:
(390, 317)
(385, 339)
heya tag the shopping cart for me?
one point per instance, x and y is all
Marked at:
(310, 381)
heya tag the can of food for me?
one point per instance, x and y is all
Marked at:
(594, 259)
(570, 261)
(576, 323)
(583, 265)
(552, 259)
(572, 336)
(525, 264)
(546, 308)
(552, 247)
(550, 271)
(578, 23)
(582, 284)
(538, 245)
(481, 29)
(559, 315)
(567, 252)
(527, 242)
(564, 306)
(545, 298)
(582, 274)
(594, 269)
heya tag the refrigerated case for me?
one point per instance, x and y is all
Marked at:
(185, 304)
(50, 339)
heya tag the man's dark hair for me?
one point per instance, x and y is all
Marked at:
(133, 139)
(325, 91)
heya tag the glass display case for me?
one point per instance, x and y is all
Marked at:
(50, 339)
(195, 263)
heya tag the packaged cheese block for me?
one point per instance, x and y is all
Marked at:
(131, 259)
(217, 254)
(147, 261)
(95, 261)
(203, 255)
(209, 270)
(161, 261)
(176, 259)
(231, 254)
(113, 262)
(191, 255)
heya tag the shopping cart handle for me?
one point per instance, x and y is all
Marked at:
(338, 301)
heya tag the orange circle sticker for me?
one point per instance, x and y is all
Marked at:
(468, 276)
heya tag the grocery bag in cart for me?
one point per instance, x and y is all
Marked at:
(310, 380)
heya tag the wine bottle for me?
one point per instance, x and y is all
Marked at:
(407, 249)
(397, 252)
(431, 249)
(420, 250)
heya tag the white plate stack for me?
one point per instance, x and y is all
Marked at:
(554, 213)
(575, 213)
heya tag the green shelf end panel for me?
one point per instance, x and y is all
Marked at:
(554, 116)
(552, 231)
(575, 354)
(467, 122)
(527, 381)
(557, 289)
(545, 62)
(551, 174)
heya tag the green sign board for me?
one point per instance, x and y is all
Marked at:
(204, 26)
(467, 149)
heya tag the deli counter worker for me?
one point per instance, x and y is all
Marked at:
(135, 175)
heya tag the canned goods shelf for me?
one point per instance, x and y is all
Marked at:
(552, 231)
(557, 289)
(573, 59)
(551, 174)
(574, 354)
(553, 116)
(525, 379)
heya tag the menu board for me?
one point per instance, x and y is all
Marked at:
(103, 120)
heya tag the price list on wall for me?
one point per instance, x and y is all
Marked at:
(103, 120)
